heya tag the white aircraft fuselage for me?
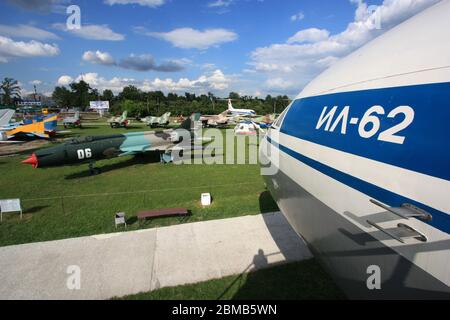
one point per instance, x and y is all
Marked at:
(362, 163)
(239, 112)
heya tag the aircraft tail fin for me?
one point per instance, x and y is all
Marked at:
(166, 117)
(230, 105)
(6, 116)
(192, 123)
(50, 123)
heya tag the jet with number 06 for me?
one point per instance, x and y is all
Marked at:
(91, 149)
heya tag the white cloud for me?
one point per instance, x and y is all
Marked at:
(278, 84)
(36, 82)
(42, 6)
(309, 35)
(220, 3)
(92, 32)
(26, 31)
(64, 80)
(310, 51)
(98, 57)
(142, 62)
(188, 38)
(146, 62)
(208, 66)
(215, 81)
(297, 17)
(20, 49)
(145, 3)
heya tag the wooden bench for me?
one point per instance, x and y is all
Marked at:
(168, 212)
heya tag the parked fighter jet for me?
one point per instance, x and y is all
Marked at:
(262, 121)
(215, 120)
(40, 128)
(154, 122)
(74, 121)
(90, 149)
(117, 122)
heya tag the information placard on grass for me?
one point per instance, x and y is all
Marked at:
(10, 205)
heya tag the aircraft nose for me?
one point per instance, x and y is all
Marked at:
(32, 160)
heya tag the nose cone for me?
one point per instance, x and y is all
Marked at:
(32, 160)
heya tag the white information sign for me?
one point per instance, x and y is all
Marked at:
(10, 205)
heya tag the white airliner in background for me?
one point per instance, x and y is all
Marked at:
(363, 159)
(239, 112)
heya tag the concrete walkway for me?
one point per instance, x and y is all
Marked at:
(115, 265)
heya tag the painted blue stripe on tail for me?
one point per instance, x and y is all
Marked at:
(427, 145)
(440, 220)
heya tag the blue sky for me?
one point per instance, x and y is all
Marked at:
(254, 47)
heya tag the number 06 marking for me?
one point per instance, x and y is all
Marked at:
(84, 153)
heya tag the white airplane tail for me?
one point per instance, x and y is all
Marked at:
(6, 116)
(230, 105)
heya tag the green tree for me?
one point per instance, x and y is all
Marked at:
(10, 90)
(108, 95)
(189, 96)
(134, 108)
(62, 96)
(81, 92)
(234, 96)
(130, 93)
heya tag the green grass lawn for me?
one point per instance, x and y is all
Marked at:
(67, 202)
(101, 128)
(294, 281)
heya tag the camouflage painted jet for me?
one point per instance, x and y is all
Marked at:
(74, 121)
(117, 122)
(262, 121)
(154, 122)
(91, 149)
(215, 120)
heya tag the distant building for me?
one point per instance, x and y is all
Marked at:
(36, 100)
(26, 103)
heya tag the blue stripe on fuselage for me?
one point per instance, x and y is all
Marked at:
(440, 220)
(426, 148)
